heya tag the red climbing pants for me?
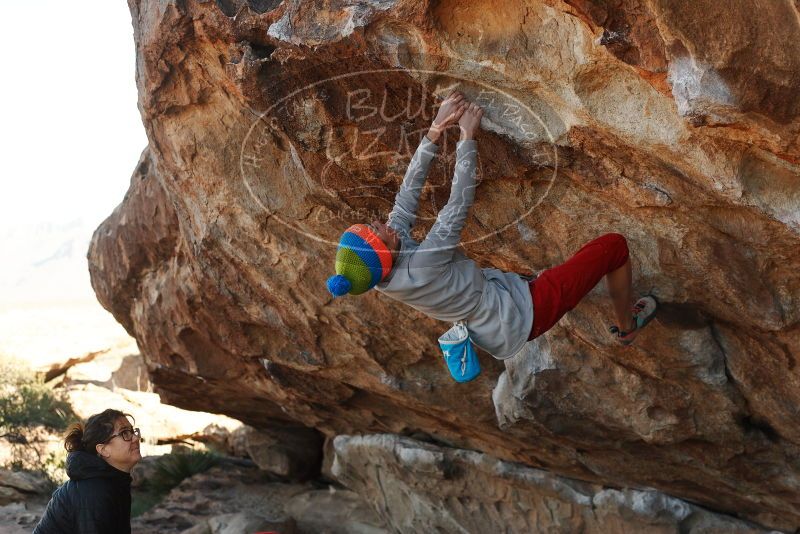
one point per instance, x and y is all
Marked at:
(559, 289)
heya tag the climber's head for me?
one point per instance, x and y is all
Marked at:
(364, 258)
(388, 235)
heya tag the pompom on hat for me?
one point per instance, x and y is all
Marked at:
(362, 261)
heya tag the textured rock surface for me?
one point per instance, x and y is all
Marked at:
(245, 500)
(16, 486)
(245, 522)
(287, 451)
(674, 123)
(231, 498)
(419, 487)
(21, 517)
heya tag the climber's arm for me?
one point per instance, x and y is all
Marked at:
(440, 243)
(406, 202)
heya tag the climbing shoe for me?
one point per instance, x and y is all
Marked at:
(643, 312)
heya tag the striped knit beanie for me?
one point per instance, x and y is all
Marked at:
(362, 261)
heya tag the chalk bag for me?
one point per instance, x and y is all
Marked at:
(459, 353)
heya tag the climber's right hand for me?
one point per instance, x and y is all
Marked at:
(470, 121)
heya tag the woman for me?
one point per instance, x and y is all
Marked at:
(97, 497)
(436, 278)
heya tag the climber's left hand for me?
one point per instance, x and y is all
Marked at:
(449, 112)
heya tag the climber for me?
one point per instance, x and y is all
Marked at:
(502, 310)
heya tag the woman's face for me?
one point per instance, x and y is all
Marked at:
(120, 453)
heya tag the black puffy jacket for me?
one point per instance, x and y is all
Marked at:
(95, 500)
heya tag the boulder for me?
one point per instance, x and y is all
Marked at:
(17, 486)
(335, 511)
(287, 451)
(273, 126)
(421, 487)
(10, 495)
(131, 374)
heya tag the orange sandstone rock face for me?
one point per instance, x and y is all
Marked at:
(273, 126)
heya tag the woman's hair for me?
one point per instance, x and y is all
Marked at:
(97, 429)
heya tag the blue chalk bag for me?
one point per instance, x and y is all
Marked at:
(459, 353)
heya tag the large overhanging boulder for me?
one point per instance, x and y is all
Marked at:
(273, 126)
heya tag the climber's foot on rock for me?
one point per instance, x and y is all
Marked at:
(643, 312)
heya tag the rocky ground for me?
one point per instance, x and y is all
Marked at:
(236, 500)
(230, 500)
(386, 483)
(251, 491)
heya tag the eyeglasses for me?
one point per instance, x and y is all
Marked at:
(127, 434)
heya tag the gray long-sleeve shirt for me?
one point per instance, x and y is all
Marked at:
(436, 278)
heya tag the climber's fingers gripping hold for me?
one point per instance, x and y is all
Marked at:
(450, 111)
(470, 121)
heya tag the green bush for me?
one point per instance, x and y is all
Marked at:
(171, 469)
(26, 402)
(142, 501)
(168, 472)
(29, 412)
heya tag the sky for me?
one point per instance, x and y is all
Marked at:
(70, 131)
(70, 137)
